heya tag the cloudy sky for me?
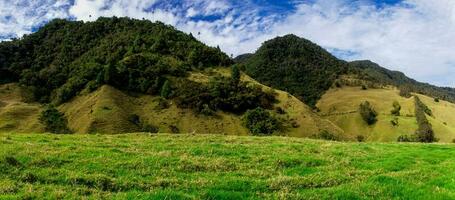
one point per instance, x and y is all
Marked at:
(413, 36)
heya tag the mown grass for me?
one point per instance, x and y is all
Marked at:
(143, 166)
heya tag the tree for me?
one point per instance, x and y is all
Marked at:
(54, 121)
(425, 132)
(235, 74)
(368, 113)
(165, 90)
(259, 121)
(396, 108)
(109, 73)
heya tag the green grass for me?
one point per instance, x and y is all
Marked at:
(143, 166)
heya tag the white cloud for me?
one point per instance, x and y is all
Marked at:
(18, 17)
(415, 36)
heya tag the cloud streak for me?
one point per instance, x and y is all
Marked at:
(414, 36)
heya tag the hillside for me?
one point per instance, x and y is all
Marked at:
(374, 73)
(306, 70)
(118, 75)
(336, 88)
(144, 166)
(64, 57)
(109, 110)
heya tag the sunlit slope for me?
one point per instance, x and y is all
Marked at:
(109, 110)
(443, 119)
(15, 115)
(340, 105)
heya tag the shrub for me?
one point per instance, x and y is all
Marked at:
(235, 74)
(174, 129)
(135, 119)
(221, 94)
(165, 90)
(54, 121)
(368, 113)
(396, 108)
(162, 104)
(360, 138)
(142, 126)
(338, 84)
(326, 135)
(405, 91)
(405, 138)
(394, 121)
(280, 111)
(149, 128)
(259, 121)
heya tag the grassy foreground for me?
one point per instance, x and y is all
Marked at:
(142, 166)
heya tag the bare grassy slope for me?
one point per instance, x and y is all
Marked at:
(340, 105)
(15, 114)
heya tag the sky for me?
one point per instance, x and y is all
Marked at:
(416, 37)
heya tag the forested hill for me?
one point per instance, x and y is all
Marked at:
(295, 65)
(65, 57)
(306, 70)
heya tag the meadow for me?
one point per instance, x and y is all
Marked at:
(183, 166)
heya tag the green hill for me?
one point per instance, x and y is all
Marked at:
(118, 75)
(336, 88)
(109, 110)
(64, 57)
(144, 166)
(295, 65)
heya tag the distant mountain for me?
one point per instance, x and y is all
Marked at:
(306, 70)
(378, 74)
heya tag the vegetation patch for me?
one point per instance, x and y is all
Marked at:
(425, 131)
(260, 121)
(368, 113)
(54, 121)
(222, 93)
(396, 108)
(326, 135)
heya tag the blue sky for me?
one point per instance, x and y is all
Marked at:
(413, 36)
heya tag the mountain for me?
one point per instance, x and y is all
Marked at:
(295, 65)
(337, 89)
(64, 57)
(118, 75)
(378, 74)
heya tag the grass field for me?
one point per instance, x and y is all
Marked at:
(143, 166)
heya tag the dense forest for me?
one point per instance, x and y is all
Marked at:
(295, 65)
(65, 57)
